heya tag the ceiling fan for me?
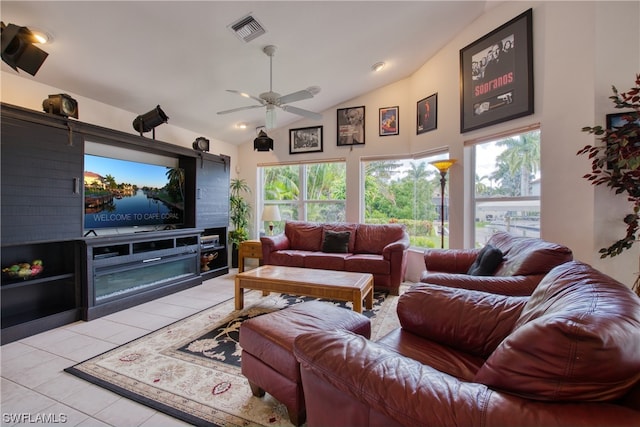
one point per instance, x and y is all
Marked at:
(272, 99)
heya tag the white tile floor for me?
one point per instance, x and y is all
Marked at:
(36, 391)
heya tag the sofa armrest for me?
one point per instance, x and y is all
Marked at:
(338, 366)
(449, 260)
(504, 285)
(398, 387)
(399, 246)
(471, 321)
(273, 243)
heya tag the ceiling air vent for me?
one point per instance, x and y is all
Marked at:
(247, 29)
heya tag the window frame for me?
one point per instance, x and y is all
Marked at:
(470, 154)
(301, 203)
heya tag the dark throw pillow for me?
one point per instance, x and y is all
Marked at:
(336, 241)
(489, 258)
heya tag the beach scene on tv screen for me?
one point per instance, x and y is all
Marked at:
(122, 193)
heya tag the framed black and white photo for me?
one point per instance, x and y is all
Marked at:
(427, 109)
(389, 121)
(351, 126)
(497, 75)
(305, 140)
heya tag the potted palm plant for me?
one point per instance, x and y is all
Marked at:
(239, 215)
(615, 162)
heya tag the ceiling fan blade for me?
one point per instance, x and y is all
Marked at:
(304, 113)
(233, 110)
(295, 96)
(246, 95)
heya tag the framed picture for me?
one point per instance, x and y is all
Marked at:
(496, 72)
(617, 120)
(351, 126)
(427, 109)
(389, 121)
(305, 140)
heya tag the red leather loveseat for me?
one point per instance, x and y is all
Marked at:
(379, 249)
(568, 355)
(524, 262)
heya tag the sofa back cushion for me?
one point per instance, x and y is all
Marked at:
(525, 256)
(372, 238)
(304, 236)
(575, 340)
(466, 320)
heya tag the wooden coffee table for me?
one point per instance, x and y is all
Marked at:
(328, 284)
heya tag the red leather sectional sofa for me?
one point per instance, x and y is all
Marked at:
(568, 355)
(380, 249)
(526, 261)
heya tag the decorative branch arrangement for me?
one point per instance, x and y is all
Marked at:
(616, 162)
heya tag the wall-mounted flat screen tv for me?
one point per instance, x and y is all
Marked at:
(122, 195)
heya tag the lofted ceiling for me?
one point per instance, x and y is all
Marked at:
(183, 55)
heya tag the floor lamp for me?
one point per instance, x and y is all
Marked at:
(443, 166)
(271, 213)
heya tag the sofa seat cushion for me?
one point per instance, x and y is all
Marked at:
(459, 364)
(575, 340)
(367, 263)
(325, 261)
(288, 258)
(304, 236)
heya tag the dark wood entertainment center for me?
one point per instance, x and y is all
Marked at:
(88, 276)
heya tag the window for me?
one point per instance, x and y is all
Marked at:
(307, 192)
(507, 185)
(407, 191)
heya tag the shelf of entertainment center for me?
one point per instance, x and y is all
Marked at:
(18, 283)
(213, 252)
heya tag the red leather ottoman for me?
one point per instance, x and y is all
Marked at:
(267, 348)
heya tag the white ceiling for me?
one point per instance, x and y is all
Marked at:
(183, 56)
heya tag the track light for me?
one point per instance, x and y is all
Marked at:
(148, 121)
(263, 142)
(201, 144)
(18, 50)
(61, 104)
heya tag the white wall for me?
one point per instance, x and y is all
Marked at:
(580, 50)
(22, 90)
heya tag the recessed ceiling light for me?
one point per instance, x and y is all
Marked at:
(377, 66)
(241, 125)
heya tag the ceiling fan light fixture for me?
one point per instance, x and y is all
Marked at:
(270, 119)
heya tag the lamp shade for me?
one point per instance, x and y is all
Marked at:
(443, 165)
(271, 213)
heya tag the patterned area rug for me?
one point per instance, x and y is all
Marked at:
(191, 368)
